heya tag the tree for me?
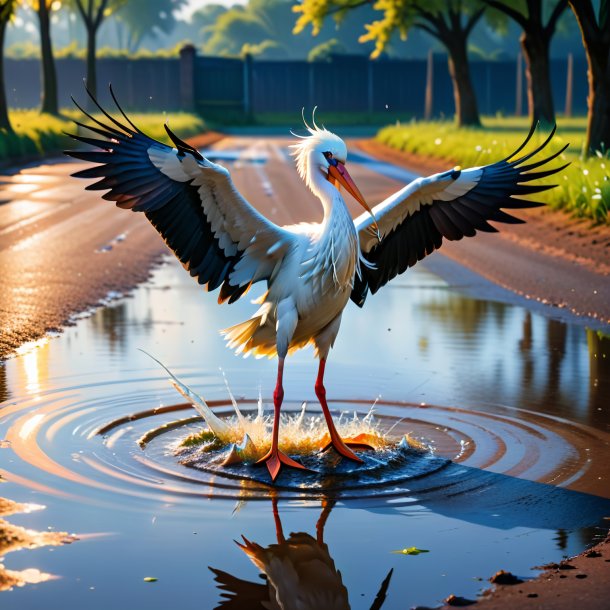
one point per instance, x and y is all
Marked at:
(326, 50)
(147, 18)
(7, 8)
(263, 22)
(596, 38)
(535, 43)
(452, 30)
(450, 22)
(50, 103)
(207, 15)
(235, 28)
(93, 13)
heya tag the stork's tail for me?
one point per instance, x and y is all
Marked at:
(254, 336)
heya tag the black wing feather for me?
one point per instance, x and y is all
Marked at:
(501, 185)
(173, 208)
(237, 594)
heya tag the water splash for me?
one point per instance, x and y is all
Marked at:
(217, 426)
(245, 437)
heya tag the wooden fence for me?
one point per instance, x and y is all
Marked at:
(235, 88)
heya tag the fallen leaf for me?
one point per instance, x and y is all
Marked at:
(412, 550)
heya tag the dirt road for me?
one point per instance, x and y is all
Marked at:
(63, 249)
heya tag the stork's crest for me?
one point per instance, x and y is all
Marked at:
(320, 140)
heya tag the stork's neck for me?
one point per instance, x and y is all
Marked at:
(329, 196)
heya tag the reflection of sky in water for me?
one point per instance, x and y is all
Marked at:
(441, 348)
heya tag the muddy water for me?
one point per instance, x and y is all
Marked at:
(515, 402)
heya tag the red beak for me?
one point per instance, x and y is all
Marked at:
(338, 174)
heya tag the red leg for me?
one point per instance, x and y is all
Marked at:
(279, 532)
(335, 440)
(274, 457)
(327, 506)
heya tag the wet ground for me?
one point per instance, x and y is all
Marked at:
(515, 398)
(519, 400)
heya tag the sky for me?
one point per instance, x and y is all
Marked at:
(193, 5)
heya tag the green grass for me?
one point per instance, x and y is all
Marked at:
(584, 186)
(39, 134)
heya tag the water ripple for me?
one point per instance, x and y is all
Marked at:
(102, 432)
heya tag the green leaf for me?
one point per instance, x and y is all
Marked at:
(412, 550)
(150, 579)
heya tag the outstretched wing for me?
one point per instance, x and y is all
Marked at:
(453, 204)
(237, 594)
(214, 232)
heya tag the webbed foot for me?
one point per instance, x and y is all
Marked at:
(344, 448)
(274, 459)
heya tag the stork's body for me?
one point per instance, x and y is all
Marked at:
(299, 573)
(306, 297)
(311, 270)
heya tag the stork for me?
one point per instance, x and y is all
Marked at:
(311, 270)
(299, 573)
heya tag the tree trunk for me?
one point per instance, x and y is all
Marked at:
(596, 40)
(598, 124)
(5, 124)
(49, 75)
(539, 92)
(466, 109)
(91, 64)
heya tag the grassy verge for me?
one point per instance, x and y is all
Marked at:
(584, 187)
(38, 134)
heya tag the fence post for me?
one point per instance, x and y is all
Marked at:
(370, 88)
(569, 85)
(247, 76)
(429, 101)
(311, 88)
(519, 87)
(187, 77)
(131, 98)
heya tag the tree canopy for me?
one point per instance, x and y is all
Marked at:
(259, 21)
(147, 18)
(451, 23)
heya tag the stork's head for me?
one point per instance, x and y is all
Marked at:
(322, 154)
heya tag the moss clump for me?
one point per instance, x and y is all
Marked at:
(204, 439)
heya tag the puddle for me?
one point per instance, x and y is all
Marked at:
(514, 404)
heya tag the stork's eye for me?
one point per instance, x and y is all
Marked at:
(329, 157)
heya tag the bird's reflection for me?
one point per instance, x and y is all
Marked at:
(298, 573)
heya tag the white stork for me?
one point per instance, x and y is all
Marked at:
(312, 270)
(299, 571)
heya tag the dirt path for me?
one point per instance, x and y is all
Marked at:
(577, 582)
(63, 250)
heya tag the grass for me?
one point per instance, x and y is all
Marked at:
(583, 187)
(39, 134)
